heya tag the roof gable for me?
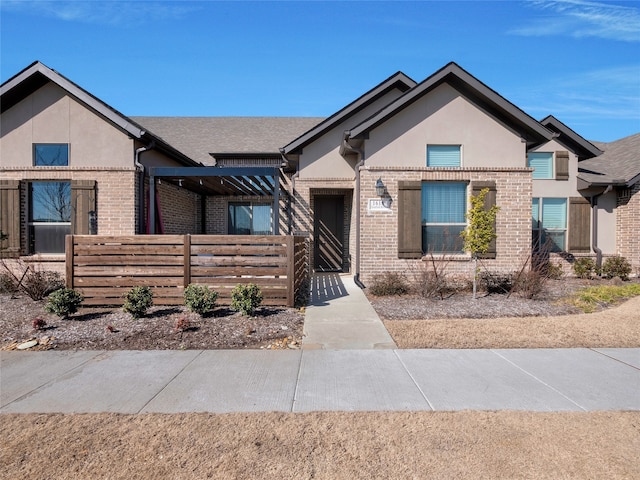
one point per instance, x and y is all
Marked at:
(398, 81)
(581, 147)
(36, 75)
(480, 94)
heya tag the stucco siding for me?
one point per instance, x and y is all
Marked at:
(444, 117)
(50, 115)
(607, 223)
(322, 159)
(553, 187)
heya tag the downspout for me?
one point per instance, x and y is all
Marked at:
(360, 152)
(594, 230)
(140, 169)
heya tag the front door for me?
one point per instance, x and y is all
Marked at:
(328, 238)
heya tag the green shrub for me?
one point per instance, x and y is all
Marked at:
(389, 283)
(616, 267)
(137, 301)
(554, 271)
(199, 298)
(584, 267)
(64, 302)
(246, 298)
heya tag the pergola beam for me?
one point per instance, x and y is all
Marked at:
(234, 180)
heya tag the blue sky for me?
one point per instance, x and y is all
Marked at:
(578, 60)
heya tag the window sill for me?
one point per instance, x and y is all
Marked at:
(43, 257)
(442, 257)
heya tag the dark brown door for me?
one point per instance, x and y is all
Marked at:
(328, 233)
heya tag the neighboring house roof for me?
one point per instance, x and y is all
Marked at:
(619, 165)
(581, 147)
(36, 75)
(531, 130)
(398, 81)
(200, 137)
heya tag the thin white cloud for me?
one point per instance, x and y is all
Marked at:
(109, 12)
(612, 93)
(578, 18)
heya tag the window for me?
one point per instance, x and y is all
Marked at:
(444, 206)
(249, 219)
(549, 227)
(50, 154)
(542, 164)
(443, 155)
(49, 216)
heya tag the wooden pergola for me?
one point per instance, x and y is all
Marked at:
(231, 181)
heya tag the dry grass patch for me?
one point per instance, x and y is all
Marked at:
(617, 327)
(322, 445)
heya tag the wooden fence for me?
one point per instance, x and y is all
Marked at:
(104, 268)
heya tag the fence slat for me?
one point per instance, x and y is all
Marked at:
(103, 268)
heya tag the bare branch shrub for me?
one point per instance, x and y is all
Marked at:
(37, 284)
(389, 283)
(430, 279)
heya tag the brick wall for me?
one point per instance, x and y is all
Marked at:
(305, 192)
(379, 247)
(180, 209)
(628, 226)
(115, 195)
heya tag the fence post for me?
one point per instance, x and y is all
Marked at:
(68, 248)
(291, 271)
(187, 260)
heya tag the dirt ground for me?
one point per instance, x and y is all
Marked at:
(327, 445)
(442, 445)
(113, 329)
(614, 327)
(493, 321)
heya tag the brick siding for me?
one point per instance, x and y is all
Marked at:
(628, 226)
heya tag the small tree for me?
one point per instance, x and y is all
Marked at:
(480, 231)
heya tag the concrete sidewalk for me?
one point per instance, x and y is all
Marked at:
(319, 380)
(340, 317)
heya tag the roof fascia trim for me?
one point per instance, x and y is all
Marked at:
(457, 72)
(397, 78)
(99, 106)
(580, 141)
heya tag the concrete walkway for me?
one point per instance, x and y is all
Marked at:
(319, 380)
(340, 317)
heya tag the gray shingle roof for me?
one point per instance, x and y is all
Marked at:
(198, 137)
(618, 165)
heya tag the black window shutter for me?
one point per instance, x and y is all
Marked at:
(409, 219)
(579, 225)
(489, 201)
